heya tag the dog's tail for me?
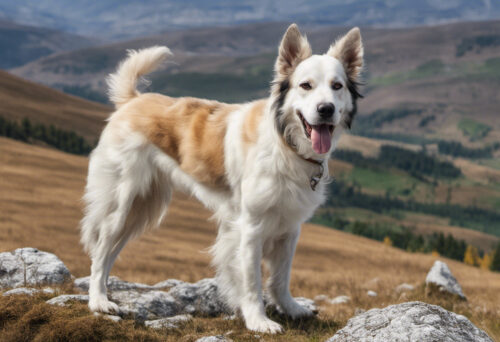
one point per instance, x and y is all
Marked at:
(122, 84)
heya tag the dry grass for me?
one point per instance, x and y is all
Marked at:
(370, 147)
(40, 208)
(21, 99)
(478, 173)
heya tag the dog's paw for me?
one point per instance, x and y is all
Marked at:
(103, 304)
(296, 311)
(264, 325)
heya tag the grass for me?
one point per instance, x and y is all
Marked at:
(22, 99)
(428, 69)
(25, 318)
(252, 83)
(473, 129)
(493, 163)
(398, 183)
(419, 223)
(489, 69)
(40, 207)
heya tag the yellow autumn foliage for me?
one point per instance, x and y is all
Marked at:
(471, 256)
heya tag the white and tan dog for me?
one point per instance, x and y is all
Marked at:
(260, 166)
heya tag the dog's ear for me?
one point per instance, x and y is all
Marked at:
(294, 48)
(349, 51)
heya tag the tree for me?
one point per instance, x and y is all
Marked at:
(495, 263)
(471, 256)
(485, 262)
(387, 241)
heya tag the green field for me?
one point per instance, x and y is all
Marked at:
(381, 181)
(489, 69)
(473, 129)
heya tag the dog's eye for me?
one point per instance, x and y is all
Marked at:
(306, 86)
(336, 86)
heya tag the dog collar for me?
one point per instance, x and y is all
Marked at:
(315, 178)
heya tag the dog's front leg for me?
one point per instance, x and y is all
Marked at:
(278, 285)
(252, 304)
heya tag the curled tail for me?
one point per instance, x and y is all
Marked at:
(122, 84)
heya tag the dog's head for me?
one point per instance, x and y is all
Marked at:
(314, 96)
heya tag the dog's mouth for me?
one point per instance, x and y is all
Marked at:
(320, 135)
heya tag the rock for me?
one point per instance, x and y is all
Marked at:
(440, 276)
(114, 284)
(321, 298)
(21, 291)
(63, 300)
(146, 305)
(412, 321)
(113, 318)
(218, 338)
(146, 302)
(404, 287)
(372, 293)
(340, 300)
(168, 323)
(110, 317)
(200, 298)
(307, 303)
(28, 291)
(168, 283)
(48, 290)
(29, 266)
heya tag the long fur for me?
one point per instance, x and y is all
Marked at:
(246, 162)
(122, 84)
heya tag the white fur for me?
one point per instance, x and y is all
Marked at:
(122, 84)
(130, 182)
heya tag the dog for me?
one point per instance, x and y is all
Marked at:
(261, 167)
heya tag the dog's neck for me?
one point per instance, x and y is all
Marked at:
(316, 177)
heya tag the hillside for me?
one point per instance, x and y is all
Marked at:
(21, 99)
(119, 19)
(447, 76)
(46, 214)
(21, 44)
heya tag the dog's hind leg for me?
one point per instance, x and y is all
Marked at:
(279, 262)
(147, 211)
(112, 236)
(121, 201)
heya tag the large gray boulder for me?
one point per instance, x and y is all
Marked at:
(31, 267)
(410, 322)
(166, 299)
(150, 302)
(440, 277)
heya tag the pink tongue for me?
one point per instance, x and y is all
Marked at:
(321, 138)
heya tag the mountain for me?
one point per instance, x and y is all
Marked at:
(115, 19)
(21, 44)
(40, 207)
(21, 99)
(448, 75)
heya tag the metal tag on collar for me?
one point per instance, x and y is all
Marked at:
(316, 178)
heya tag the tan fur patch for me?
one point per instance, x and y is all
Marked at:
(189, 130)
(251, 124)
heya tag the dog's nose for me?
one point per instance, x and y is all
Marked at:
(326, 110)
